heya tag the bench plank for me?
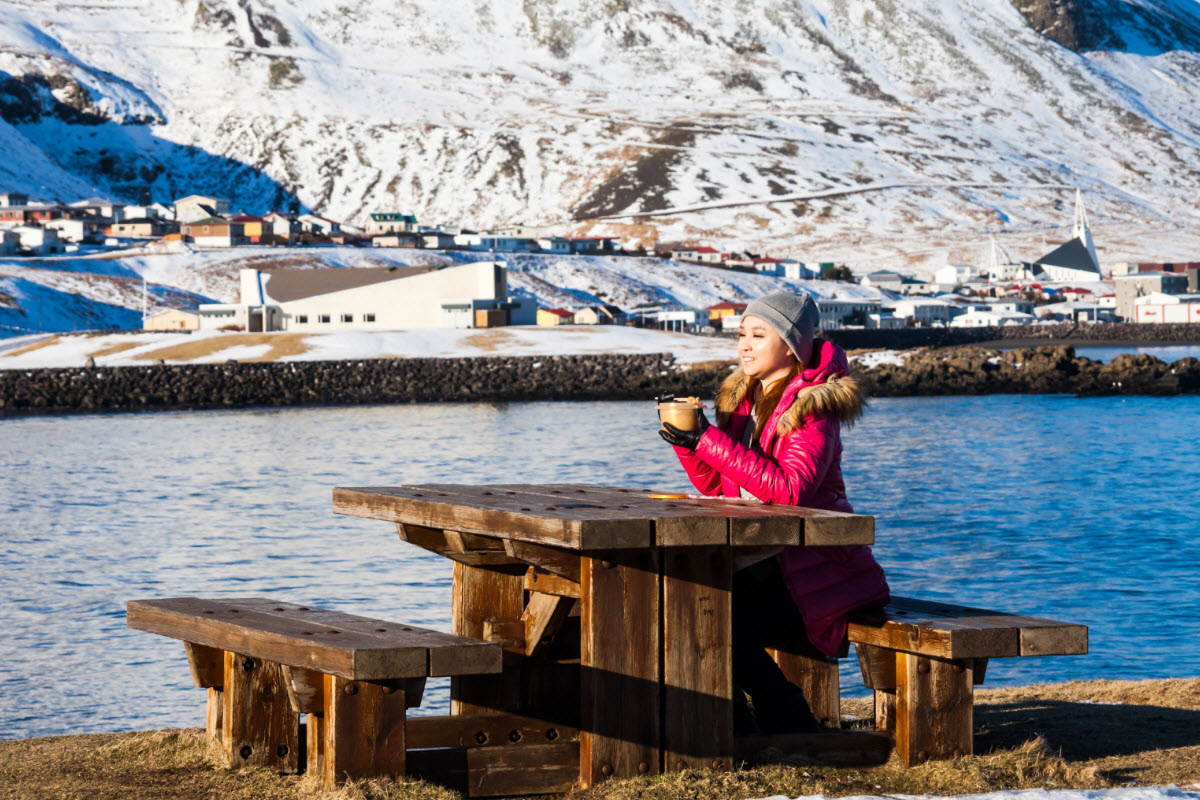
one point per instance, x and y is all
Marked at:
(299, 636)
(448, 654)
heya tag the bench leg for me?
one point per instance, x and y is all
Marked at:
(933, 708)
(364, 731)
(259, 725)
(818, 677)
(216, 705)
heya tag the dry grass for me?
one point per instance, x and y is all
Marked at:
(29, 348)
(282, 344)
(113, 349)
(1092, 734)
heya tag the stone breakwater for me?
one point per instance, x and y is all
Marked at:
(1040, 370)
(962, 370)
(320, 383)
(1116, 333)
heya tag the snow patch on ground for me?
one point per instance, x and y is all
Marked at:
(74, 350)
(1171, 792)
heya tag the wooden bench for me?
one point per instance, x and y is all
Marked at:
(923, 660)
(266, 662)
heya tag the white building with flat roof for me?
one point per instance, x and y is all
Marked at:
(1159, 307)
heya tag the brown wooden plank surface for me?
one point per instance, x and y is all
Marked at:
(751, 523)
(207, 665)
(697, 658)
(549, 583)
(305, 689)
(259, 726)
(453, 545)
(477, 509)
(448, 654)
(947, 630)
(478, 596)
(620, 714)
(326, 641)
(364, 731)
(216, 708)
(831, 748)
(479, 730)
(551, 768)
(934, 708)
(818, 679)
(544, 615)
(555, 560)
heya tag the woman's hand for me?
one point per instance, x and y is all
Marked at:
(680, 438)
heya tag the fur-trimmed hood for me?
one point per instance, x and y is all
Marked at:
(826, 388)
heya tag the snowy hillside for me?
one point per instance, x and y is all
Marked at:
(882, 134)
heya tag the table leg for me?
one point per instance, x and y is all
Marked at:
(818, 678)
(621, 633)
(481, 594)
(697, 658)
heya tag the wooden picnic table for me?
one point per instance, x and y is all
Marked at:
(615, 613)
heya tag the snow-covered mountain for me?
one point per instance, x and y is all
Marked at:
(882, 132)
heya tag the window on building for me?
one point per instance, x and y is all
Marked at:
(323, 318)
(302, 319)
(368, 317)
(347, 318)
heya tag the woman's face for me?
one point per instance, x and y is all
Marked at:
(764, 354)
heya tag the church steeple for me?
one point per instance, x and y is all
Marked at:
(1082, 232)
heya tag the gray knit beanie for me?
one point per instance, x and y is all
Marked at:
(793, 315)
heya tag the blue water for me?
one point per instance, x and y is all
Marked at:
(1167, 353)
(1082, 510)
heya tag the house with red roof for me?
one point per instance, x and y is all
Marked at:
(555, 316)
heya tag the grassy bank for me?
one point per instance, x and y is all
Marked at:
(1075, 735)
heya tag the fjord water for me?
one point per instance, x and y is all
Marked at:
(1082, 510)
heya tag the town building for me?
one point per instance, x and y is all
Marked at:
(953, 275)
(38, 241)
(215, 232)
(30, 214)
(255, 229)
(981, 318)
(595, 246)
(391, 298)
(879, 319)
(599, 315)
(924, 312)
(78, 231)
(1076, 259)
(683, 320)
(381, 222)
(399, 240)
(555, 245)
(110, 211)
(143, 227)
(436, 240)
(1157, 307)
(13, 199)
(315, 223)
(173, 319)
(555, 316)
(1128, 288)
(1073, 311)
(702, 255)
(284, 229)
(719, 312)
(849, 311)
(196, 207)
(10, 242)
(883, 279)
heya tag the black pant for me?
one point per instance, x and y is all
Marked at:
(765, 615)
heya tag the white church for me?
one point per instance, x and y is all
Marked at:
(1074, 261)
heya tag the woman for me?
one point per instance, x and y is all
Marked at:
(778, 440)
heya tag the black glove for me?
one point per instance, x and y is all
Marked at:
(688, 439)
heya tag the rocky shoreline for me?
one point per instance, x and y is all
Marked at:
(948, 371)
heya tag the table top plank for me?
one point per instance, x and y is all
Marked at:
(476, 509)
(595, 517)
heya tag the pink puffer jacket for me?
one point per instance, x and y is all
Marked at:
(800, 465)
